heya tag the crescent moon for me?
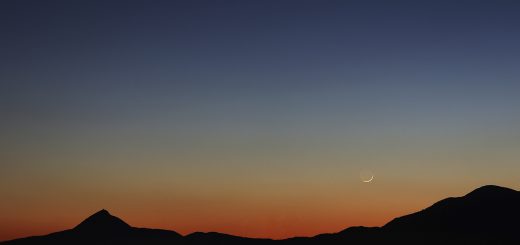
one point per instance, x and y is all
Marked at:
(371, 178)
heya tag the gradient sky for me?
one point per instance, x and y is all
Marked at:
(253, 118)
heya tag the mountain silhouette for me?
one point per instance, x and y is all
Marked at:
(486, 209)
(102, 221)
(487, 215)
(103, 228)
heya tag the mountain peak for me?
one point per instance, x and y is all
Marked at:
(490, 191)
(489, 208)
(102, 221)
(102, 212)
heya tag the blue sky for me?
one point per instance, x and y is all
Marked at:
(211, 100)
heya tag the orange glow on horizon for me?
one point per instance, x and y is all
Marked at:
(283, 216)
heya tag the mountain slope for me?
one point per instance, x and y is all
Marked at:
(487, 209)
(102, 221)
(103, 228)
(487, 215)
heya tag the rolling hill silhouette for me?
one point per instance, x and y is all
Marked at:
(487, 215)
(103, 228)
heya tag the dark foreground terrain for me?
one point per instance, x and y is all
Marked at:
(487, 215)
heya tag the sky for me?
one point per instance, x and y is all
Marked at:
(254, 118)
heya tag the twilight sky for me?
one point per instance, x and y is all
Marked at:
(253, 118)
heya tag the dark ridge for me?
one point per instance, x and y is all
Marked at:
(488, 209)
(491, 191)
(210, 234)
(102, 221)
(221, 238)
(349, 235)
(487, 215)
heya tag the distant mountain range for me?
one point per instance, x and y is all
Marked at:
(487, 215)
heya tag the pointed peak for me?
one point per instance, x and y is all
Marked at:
(102, 212)
(102, 221)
